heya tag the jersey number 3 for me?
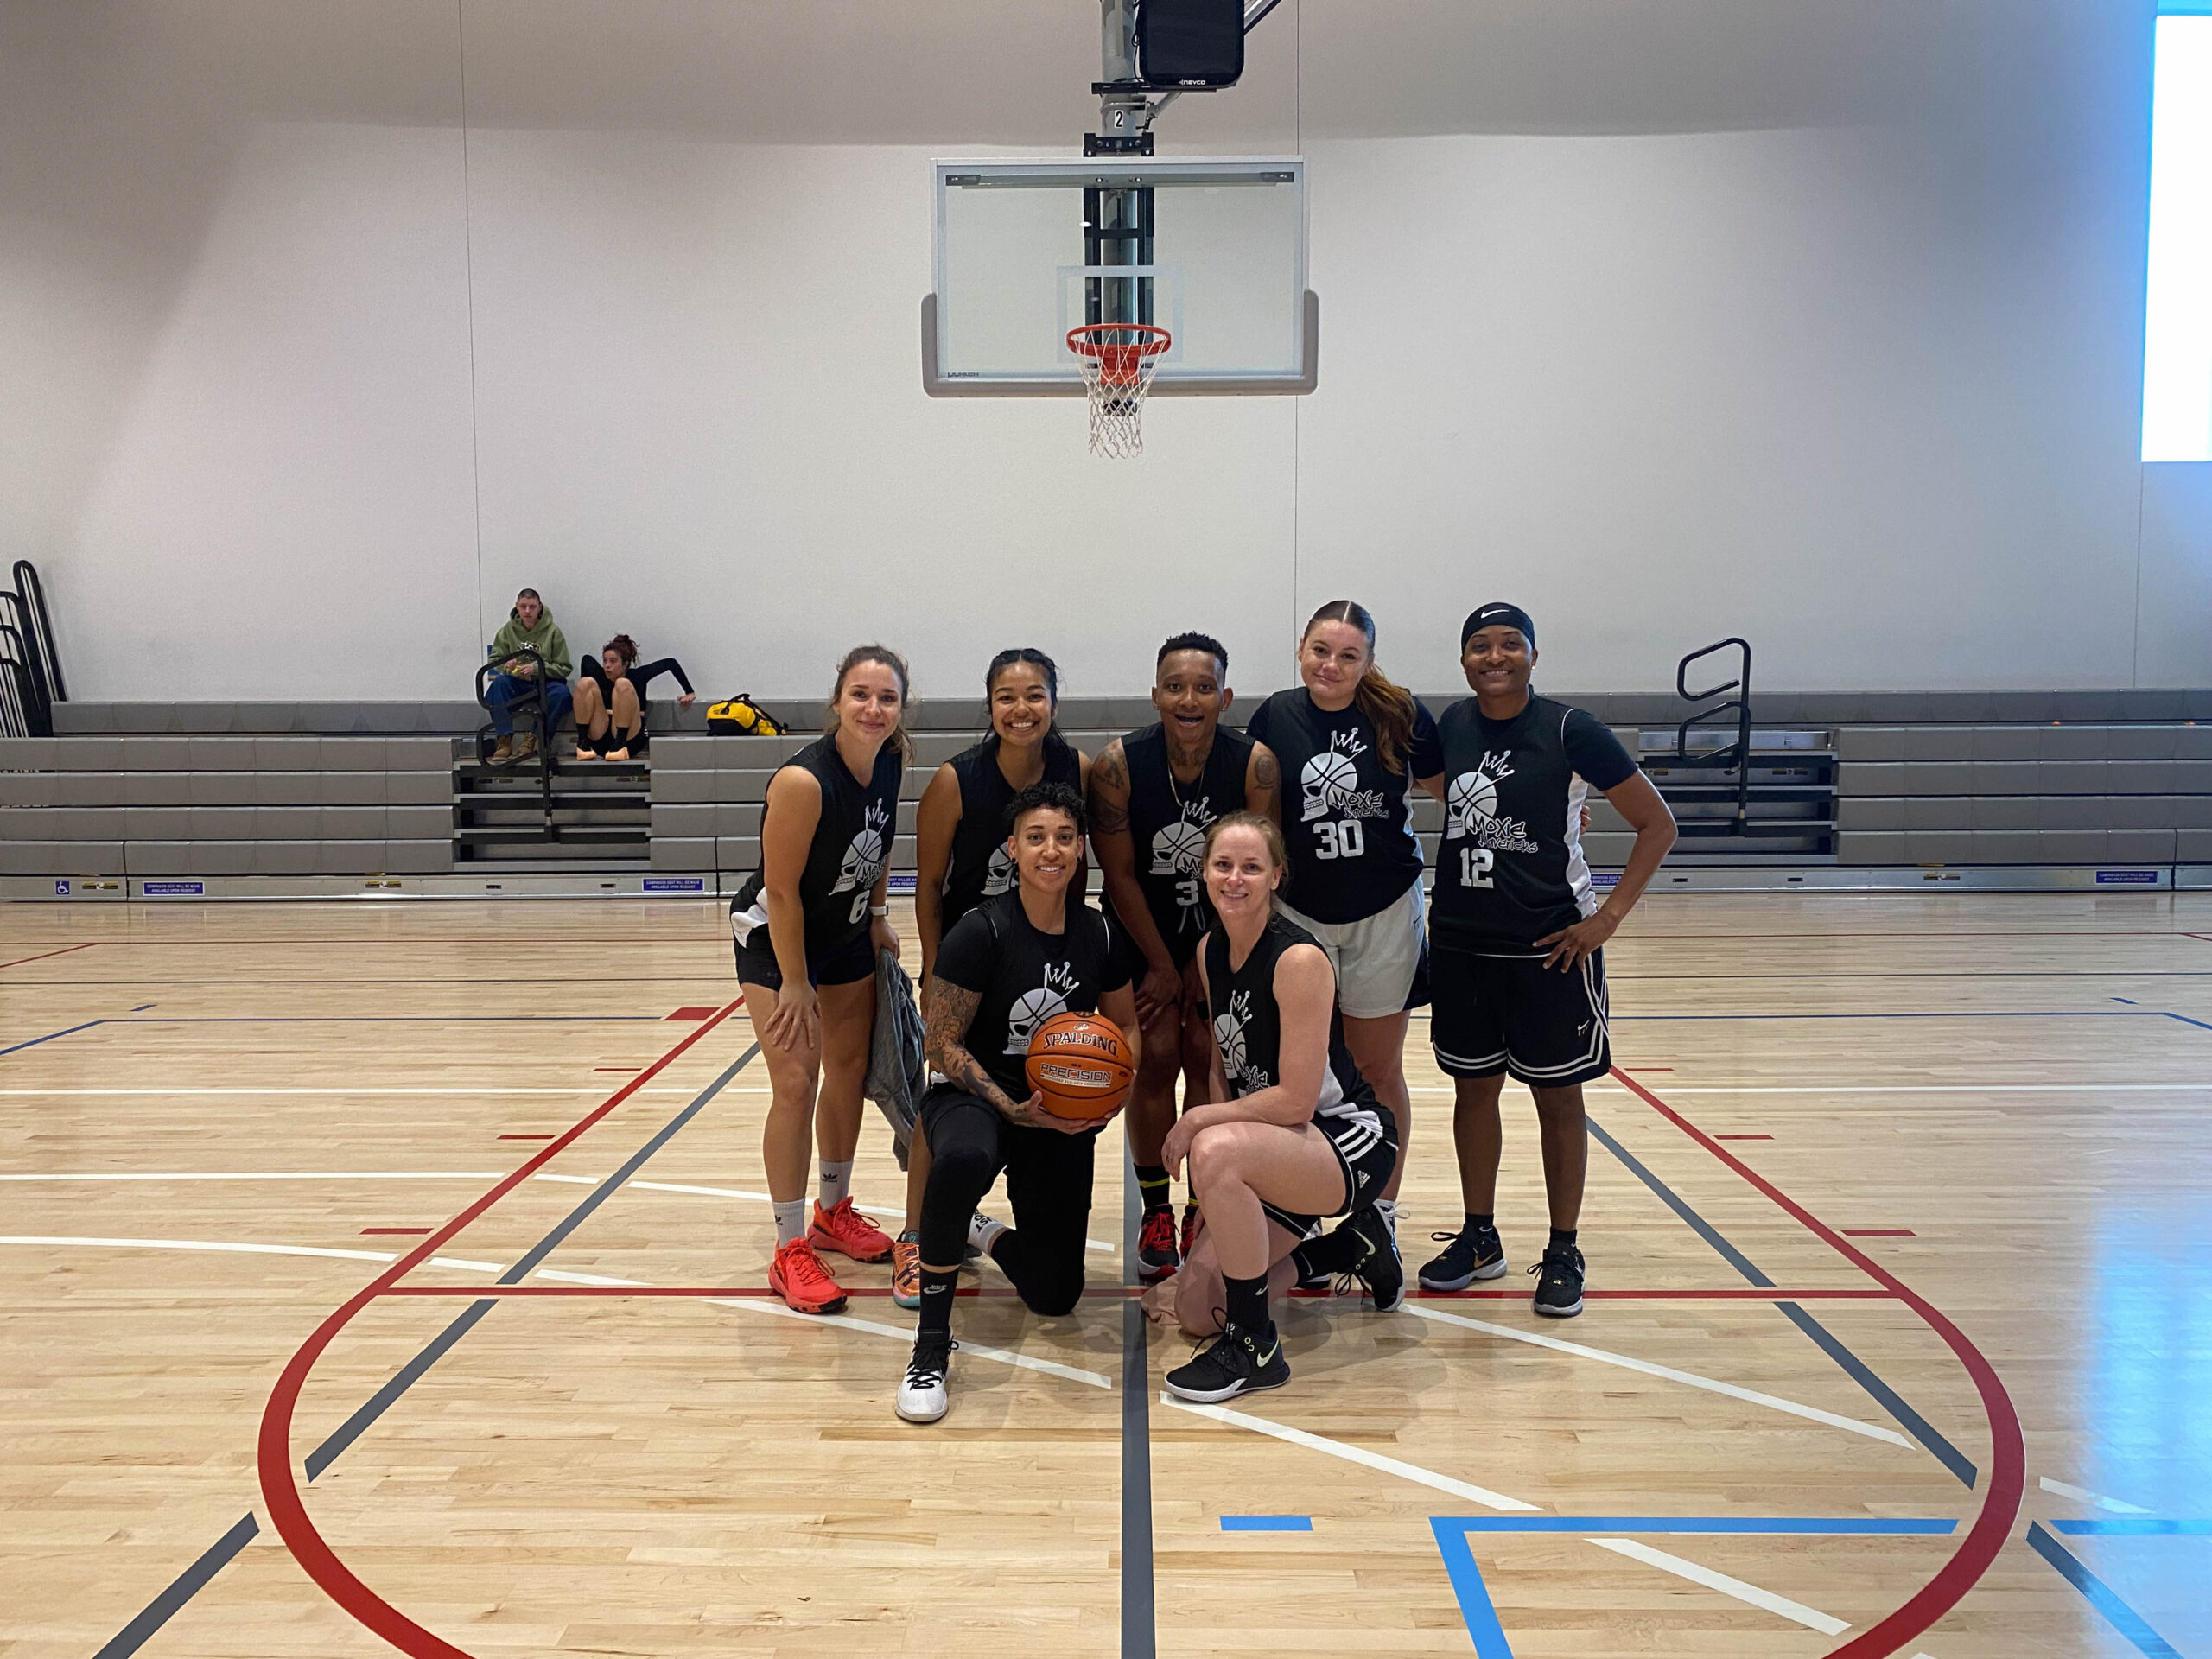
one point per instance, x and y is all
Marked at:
(1474, 865)
(1340, 838)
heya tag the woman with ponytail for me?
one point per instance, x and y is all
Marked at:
(1357, 746)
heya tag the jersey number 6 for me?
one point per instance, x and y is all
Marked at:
(1340, 839)
(1474, 865)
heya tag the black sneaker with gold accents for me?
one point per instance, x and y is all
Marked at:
(1559, 1283)
(1238, 1363)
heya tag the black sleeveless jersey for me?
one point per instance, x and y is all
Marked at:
(1024, 977)
(1509, 868)
(1248, 1029)
(1167, 823)
(1352, 851)
(979, 867)
(852, 843)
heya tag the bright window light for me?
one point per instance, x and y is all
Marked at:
(2178, 320)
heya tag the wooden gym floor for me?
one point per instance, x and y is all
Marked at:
(1897, 1224)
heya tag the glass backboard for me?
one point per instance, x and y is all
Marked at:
(1212, 250)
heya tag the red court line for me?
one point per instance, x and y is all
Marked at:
(43, 955)
(2000, 1506)
(692, 1013)
(1122, 1292)
(273, 1451)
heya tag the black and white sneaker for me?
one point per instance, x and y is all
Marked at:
(1378, 1268)
(1559, 1288)
(1471, 1254)
(1238, 1363)
(922, 1395)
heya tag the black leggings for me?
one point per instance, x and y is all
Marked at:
(1048, 1182)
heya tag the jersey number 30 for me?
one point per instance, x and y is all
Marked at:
(1474, 865)
(1340, 838)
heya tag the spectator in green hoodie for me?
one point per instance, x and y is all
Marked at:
(528, 625)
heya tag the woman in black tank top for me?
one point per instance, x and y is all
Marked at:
(961, 858)
(1292, 1134)
(826, 836)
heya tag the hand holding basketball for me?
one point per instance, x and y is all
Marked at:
(1080, 1067)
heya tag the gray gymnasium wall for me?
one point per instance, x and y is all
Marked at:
(1818, 321)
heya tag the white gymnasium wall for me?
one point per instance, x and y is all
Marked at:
(1814, 320)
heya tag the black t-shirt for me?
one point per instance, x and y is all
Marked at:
(1167, 825)
(1248, 1029)
(1509, 868)
(979, 867)
(1024, 977)
(1352, 851)
(852, 843)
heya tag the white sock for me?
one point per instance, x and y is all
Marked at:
(791, 1221)
(983, 1231)
(837, 1182)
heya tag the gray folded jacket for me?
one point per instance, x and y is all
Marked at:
(896, 1074)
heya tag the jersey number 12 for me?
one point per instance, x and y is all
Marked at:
(1340, 838)
(1474, 865)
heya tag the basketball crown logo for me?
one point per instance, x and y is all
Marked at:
(1032, 1009)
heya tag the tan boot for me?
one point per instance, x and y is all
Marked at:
(525, 746)
(503, 752)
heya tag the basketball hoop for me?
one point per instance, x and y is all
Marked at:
(1118, 361)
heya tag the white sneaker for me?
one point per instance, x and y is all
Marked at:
(922, 1395)
(982, 1230)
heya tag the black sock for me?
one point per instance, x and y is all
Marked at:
(937, 1303)
(1334, 1252)
(1248, 1304)
(1152, 1183)
(1561, 1235)
(1482, 1224)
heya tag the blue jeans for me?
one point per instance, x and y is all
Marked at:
(505, 687)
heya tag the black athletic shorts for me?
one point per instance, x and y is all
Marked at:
(756, 963)
(1366, 1160)
(1490, 1014)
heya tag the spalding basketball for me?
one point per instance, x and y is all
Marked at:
(1080, 1064)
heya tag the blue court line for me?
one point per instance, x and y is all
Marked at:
(2129, 1000)
(2147, 1528)
(2101, 1595)
(220, 1554)
(1474, 1597)
(1267, 1524)
(51, 1035)
(1829, 1344)
(1855, 1526)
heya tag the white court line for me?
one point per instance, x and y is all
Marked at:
(580, 1089)
(1796, 1611)
(1872, 1431)
(1413, 1472)
(1003, 1356)
(2083, 1495)
(233, 1247)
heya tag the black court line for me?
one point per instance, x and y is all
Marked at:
(1829, 1344)
(2101, 1595)
(1139, 1625)
(220, 1554)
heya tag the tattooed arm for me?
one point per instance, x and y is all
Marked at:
(951, 1011)
(1262, 783)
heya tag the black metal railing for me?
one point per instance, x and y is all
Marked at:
(30, 665)
(531, 704)
(1729, 757)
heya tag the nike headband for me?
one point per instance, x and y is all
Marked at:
(1496, 614)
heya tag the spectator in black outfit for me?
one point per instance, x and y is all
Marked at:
(611, 699)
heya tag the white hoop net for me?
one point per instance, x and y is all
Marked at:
(1118, 360)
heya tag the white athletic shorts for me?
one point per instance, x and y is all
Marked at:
(1382, 961)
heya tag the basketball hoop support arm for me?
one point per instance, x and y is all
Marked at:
(1125, 112)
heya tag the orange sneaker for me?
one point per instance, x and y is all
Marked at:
(906, 1273)
(847, 1231)
(797, 1274)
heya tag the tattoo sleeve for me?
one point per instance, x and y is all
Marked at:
(1109, 793)
(952, 1009)
(1267, 779)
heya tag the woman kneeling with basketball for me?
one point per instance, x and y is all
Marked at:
(1006, 968)
(1294, 1131)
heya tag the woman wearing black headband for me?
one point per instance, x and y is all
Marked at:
(1516, 962)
